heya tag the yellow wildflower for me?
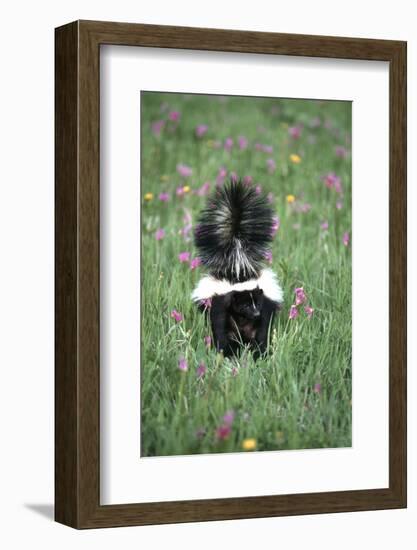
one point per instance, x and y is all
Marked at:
(148, 196)
(290, 199)
(164, 178)
(249, 444)
(296, 159)
(186, 189)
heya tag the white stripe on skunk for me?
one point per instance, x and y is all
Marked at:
(209, 286)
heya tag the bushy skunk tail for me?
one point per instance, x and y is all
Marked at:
(234, 232)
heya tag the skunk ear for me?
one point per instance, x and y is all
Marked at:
(258, 290)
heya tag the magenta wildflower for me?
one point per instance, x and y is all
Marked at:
(271, 166)
(300, 296)
(341, 151)
(207, 341)
(164, 197)
(195, 262)
(317, 388)
(258, 189)
(184, 257)
(200, 130)
(182, 364)
(176, 315)
(333, 182)
(174, 116)
(228, 144)
(247, 180)
(293, 312)
(234, 371)
(179, 191)
(242, 142)
(346, 238)
(184, 171)
(221, 176)
(223, 432)
(228, 418)
(268, 257)
(309, 311)
(324, 225)
(275, 225)
(201, 370)
(295, 131)
(157, 127)
(159, 234)
(204, 189)
(234, 177)
(206, 303)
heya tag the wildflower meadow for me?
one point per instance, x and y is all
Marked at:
(297, 152)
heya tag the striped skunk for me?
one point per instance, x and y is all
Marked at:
(233, 236)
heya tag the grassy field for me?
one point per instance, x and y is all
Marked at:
(298, 152)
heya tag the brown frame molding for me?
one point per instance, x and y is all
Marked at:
(77, 376)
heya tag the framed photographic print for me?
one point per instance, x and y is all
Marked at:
(230, 274)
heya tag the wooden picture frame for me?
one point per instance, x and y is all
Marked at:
(77, 359)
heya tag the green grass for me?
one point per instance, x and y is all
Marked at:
(274, 399)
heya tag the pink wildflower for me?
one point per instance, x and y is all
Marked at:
(317, 388)
(295, 131)
(176, 315)
(341, 151)
(200, 130)
(333, 182)
(233, 177)
(268, 257)
(221, 176)
(184, 257)
(293, 312)
(324, 225)
(184, 171)
(195, 262)
(228, 144)
(258, 189)
(309, 311)
(159, 234)
(247, 180)
(223, 432)
(339, 205)
(228, 418)
(182, 364)
(174, 116)
(157, 127)
(275, 225)
(243, 142)
(207, 341)
(346, 238)
(201, 370)
(206, 303)
(271, 166)
(164, 197)
(300, 296)
(204, 189)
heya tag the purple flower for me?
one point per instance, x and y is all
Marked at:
(295, 131)
(268, 257)
(258, 189)
(164, 197)
(176, 315)
(207, 341)
(201, 370)
(195, 262)
(247, 180)
(221, 176)
(317, 388)
(275, 225)
(184, 171)
(182, 364)
(346, 238)
(233, 177)
(206, 303)
(157, 127)
(159, 234)
(271, 166)
(228, 418)
(204, 189)
(200, 130)
(228, 144)
(300, 296)
(184, 257)
(293, 312)
(341, 151)
(324, 225)
(243, 142)
(333, 182)
(174, 116)
(309, 311)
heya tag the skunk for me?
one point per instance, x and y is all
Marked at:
(233, 236)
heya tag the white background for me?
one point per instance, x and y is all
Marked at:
(126, 478)
(26, 289)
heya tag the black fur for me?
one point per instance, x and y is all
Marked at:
(242, 318)
(234, 232)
